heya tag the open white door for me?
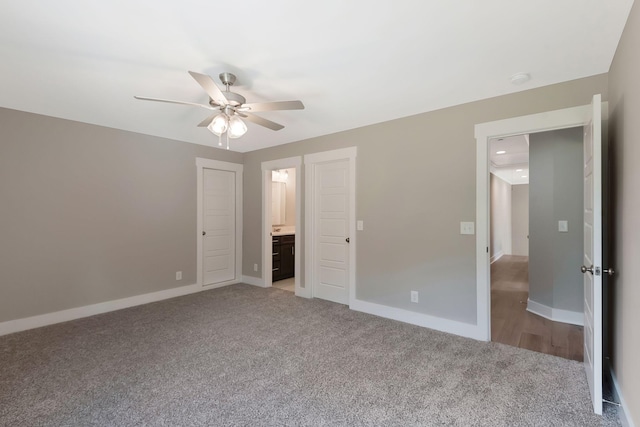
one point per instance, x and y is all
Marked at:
(592, 267)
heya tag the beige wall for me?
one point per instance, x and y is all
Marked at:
(520, 219)
(500, 197)
(624, 131)
(410, 201)
(92, 214)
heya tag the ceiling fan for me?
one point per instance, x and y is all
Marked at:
(229, 107)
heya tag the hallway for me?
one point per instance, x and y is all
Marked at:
(512, 324)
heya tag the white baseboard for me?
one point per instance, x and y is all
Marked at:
(18, 325)
(254, 281)
(419, 319)
(496, 257)
(556, 314)
(623, 410)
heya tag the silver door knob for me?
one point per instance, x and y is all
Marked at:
(609, 271)
(347, 240)
(585, 269)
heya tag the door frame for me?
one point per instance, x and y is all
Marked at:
(201, 164)
(310, 162)
(267, 245)
(547, 121)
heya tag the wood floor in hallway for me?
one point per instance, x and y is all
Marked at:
(512, 324)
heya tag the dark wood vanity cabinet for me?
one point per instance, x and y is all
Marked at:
(283, 257)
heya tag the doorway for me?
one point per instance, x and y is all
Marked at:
(281, 224)
(541, 311)
(591, 117)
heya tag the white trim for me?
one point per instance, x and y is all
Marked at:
(551, 120)
(555, 314)
(310, 162)
(444, 325)
(496, 257)
(267, 246)
(18, 325)
(201, 164)
(624, 414)
(254, 281)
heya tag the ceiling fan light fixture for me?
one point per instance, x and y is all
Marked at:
(237, 127)
(219, 124)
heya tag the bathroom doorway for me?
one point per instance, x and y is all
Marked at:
(283, 228)
(282, 224)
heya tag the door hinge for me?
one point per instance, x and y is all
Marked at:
(487, 249)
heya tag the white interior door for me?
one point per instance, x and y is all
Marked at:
(331, 229)
(219, 226)
(592, 267)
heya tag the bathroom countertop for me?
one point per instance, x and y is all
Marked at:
(284, 231)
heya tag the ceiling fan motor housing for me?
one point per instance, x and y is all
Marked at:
(234, 99)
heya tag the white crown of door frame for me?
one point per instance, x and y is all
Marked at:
(203, 163)
(267, 259)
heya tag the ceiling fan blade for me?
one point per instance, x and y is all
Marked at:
(206, 122)
(210, 87)
(144, 98)
(273, 106)
(260, 121)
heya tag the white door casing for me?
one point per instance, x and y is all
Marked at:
(330, 225)
(219, 223)
(551, 120)
(593, 253)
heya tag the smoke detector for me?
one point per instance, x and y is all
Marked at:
(520, 78)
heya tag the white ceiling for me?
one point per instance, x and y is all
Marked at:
(512, 165)
(352, 63)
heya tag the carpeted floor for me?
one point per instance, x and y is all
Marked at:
(248, 356)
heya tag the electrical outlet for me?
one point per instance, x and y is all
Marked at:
(414, 296)
(255, 267)
(360, 225)
(178, 275)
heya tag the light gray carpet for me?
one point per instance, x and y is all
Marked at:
(261, 357)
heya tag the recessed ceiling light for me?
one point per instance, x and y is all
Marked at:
(518, 170)
(500, 152)
(520, 78)
(524, 176)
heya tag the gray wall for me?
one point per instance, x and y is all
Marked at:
(624, 131)
(520, 219)
(500, 206)
(410, 201)
(92, 214)
(555, 192)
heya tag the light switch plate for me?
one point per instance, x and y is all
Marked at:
(563, 226)
(360, 225)
(467, 228)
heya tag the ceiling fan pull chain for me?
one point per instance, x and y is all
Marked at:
(220, 140)
(227, 133)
